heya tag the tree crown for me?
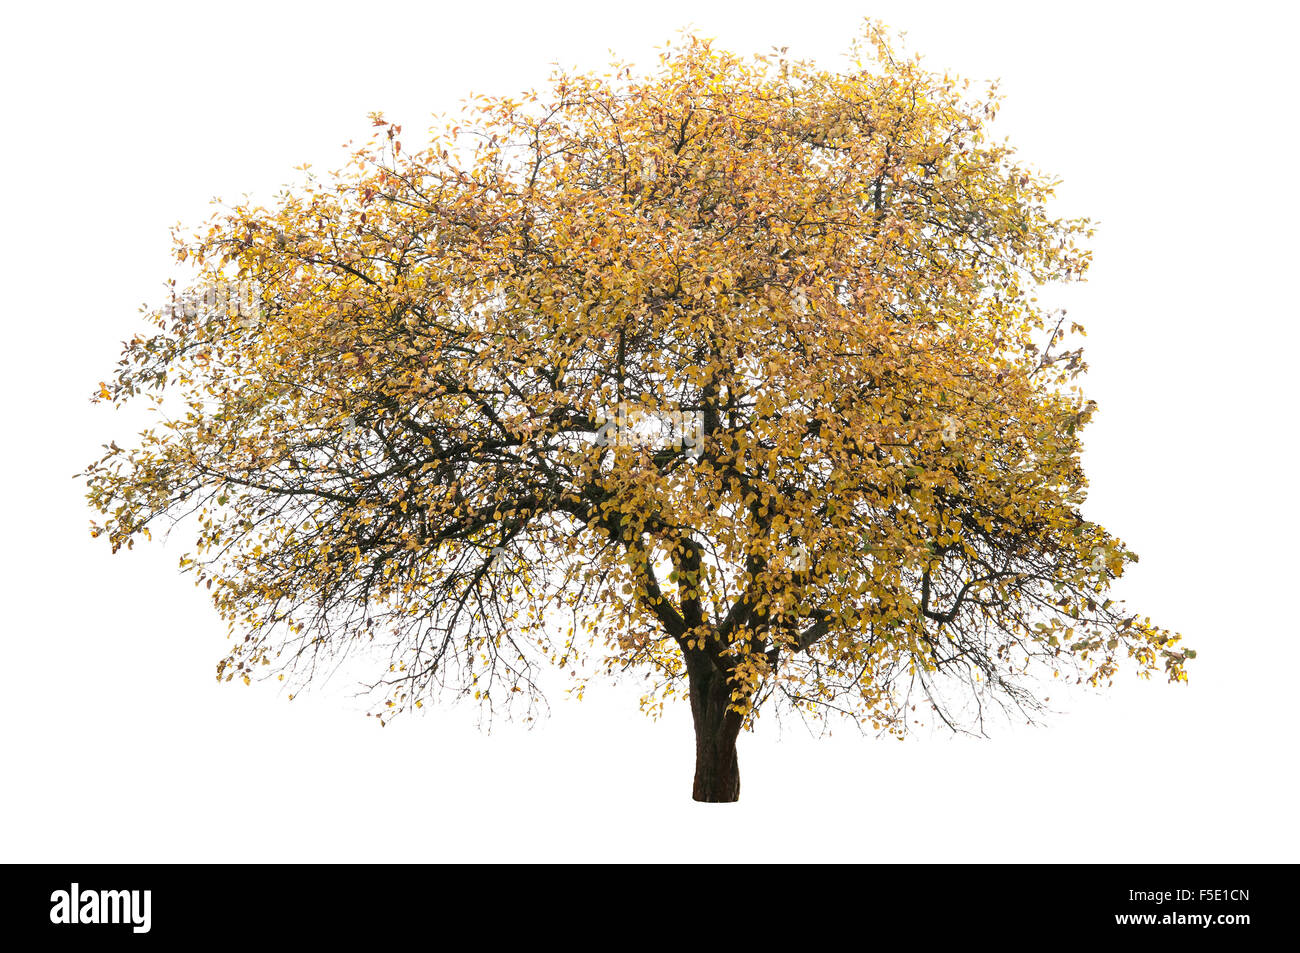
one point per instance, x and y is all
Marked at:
(735, 365)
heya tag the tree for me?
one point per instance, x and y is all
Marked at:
(730, 376)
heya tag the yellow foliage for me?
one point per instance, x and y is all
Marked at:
(736, 366)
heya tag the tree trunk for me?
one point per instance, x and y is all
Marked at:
(717, 772)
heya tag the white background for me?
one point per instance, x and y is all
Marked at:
(1172, 125)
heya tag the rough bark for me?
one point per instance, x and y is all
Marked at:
(717, 772)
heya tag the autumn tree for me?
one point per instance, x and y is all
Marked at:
(730, 376)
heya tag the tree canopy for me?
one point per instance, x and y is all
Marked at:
(730, 376)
